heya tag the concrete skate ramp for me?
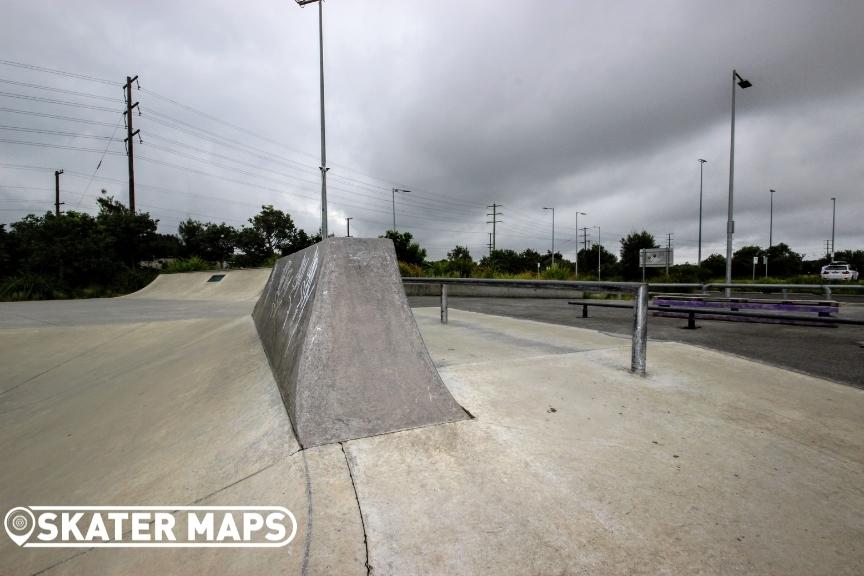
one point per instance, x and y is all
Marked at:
(344, 347)
(234, 285)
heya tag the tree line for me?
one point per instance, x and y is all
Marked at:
(75, 254)
(782, 262)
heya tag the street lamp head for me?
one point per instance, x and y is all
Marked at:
(741, 81)
(582, 213)
(772, 191)
(304, 2)
(402, 190)
(545, 208)
(702, 161)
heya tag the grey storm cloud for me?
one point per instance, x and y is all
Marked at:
(603, 107)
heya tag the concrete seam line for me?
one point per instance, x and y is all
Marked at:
(70, 359)
(250, 475)
(129, 531)
(359, 509)
(52, 566)
(308, 540)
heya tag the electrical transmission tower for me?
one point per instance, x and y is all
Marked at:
(130, 134)
(494, 221)
(585, 238)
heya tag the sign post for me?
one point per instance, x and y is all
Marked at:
(655, 258)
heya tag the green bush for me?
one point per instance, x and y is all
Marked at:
(410, 270)
(191, 264)
(26, 286)
(556, 273)
(518, 276)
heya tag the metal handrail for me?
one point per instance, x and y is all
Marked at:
(825, 288)
(640, 309)
(542, 284)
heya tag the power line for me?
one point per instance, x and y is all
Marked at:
(99, 164)
(438, 202)
(59, 90)
(53, 101)
(57, 146)
(57, 72)
(55, 116)
(52, 132)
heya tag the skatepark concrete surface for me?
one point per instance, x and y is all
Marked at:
(712, 464)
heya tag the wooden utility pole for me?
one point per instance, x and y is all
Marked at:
(57, 202)
(130, 133)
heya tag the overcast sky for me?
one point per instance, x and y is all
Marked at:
(602, 107)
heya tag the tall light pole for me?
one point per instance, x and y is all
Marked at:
(699, 257)
(577, 240)
(730, 222)
(348, 221)
(599, 250)
(553, 234)
(833, 221)
(771, 222)
(323, 166)
(401, 191)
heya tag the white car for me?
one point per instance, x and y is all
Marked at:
(839, 271)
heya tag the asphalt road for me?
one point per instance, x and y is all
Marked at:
(836, 353)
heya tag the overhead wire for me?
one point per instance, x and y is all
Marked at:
(55, 101)
(57, 72)
(55, 116)
(422, 199)
(60, 90)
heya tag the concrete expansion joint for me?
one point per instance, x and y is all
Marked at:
(359, 509)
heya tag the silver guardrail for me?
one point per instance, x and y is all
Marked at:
(784, 288)
(639, 290)
(640, 310)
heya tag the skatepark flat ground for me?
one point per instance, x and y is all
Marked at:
(711, 464)
(834, 353)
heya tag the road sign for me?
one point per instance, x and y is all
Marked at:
(656, 257)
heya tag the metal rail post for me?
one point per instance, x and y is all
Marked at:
(443, 303)
(640, 331)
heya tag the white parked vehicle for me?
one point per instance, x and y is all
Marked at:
(839, 271)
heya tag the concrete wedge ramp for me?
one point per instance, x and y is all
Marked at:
(344, 347)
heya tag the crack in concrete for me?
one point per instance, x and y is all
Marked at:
(194, 502)
(42, 571)
(359, 509)
(308, 541)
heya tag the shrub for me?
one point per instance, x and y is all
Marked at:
(191, 264)
(26, 286)
(410, 270)
(556, 273)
